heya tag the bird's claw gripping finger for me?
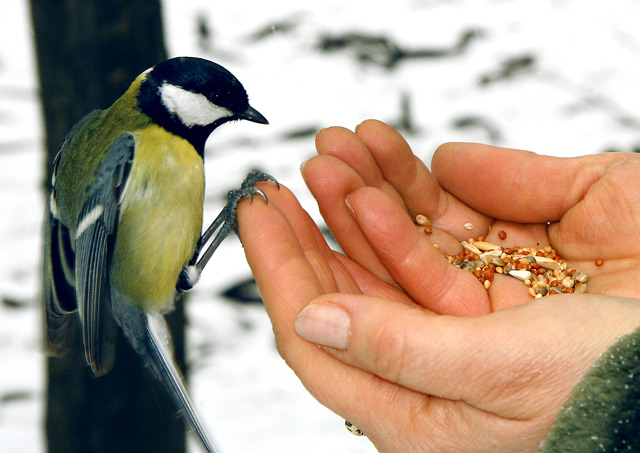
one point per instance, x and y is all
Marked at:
(254, 177)
(225, 222)
(247, 189)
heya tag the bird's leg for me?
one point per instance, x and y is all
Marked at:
(224, 223)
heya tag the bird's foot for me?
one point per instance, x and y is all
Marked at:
(226, 222)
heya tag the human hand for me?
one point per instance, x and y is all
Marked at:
(585, 208)
(411, 379)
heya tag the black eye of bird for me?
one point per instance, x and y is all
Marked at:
(217, 96)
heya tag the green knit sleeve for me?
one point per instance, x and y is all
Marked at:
(603, 414)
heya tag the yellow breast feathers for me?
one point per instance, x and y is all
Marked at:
(160, 218)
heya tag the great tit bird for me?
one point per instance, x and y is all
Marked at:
(122, 234)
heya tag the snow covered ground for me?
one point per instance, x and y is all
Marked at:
(557, 77)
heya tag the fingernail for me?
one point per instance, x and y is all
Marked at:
(324, 324)
(346, 202)
(302, 165)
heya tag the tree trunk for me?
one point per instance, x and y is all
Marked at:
(88, 52)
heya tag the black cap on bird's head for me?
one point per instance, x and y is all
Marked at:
(191, 96)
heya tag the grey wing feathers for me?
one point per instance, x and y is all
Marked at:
(59, 298)
(77, 268)
(95, 239)
(59, 291)
(94, 297)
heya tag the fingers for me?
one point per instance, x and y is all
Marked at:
(287, 253)
(276, 253)
(346, 146)
(422, 271)
(330, 180)
(382, 158)
(590, 201)
(415, 184)
(278, 238)
(377, 156)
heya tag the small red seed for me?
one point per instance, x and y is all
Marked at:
(599, 262)
(428, 230)
(502, 235)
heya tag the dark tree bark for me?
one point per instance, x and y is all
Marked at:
(88, 52)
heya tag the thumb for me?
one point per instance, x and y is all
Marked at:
(490, 362)
(518, 180)
(406, 345)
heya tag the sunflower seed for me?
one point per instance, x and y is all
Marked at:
(521, 275)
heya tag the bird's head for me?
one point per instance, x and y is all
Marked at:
(190, 97)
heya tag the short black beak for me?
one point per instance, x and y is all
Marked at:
(253, 115)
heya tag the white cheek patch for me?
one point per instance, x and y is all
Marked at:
(193, 109)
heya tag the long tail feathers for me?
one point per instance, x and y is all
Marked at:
(149, 337)
(166, 372)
